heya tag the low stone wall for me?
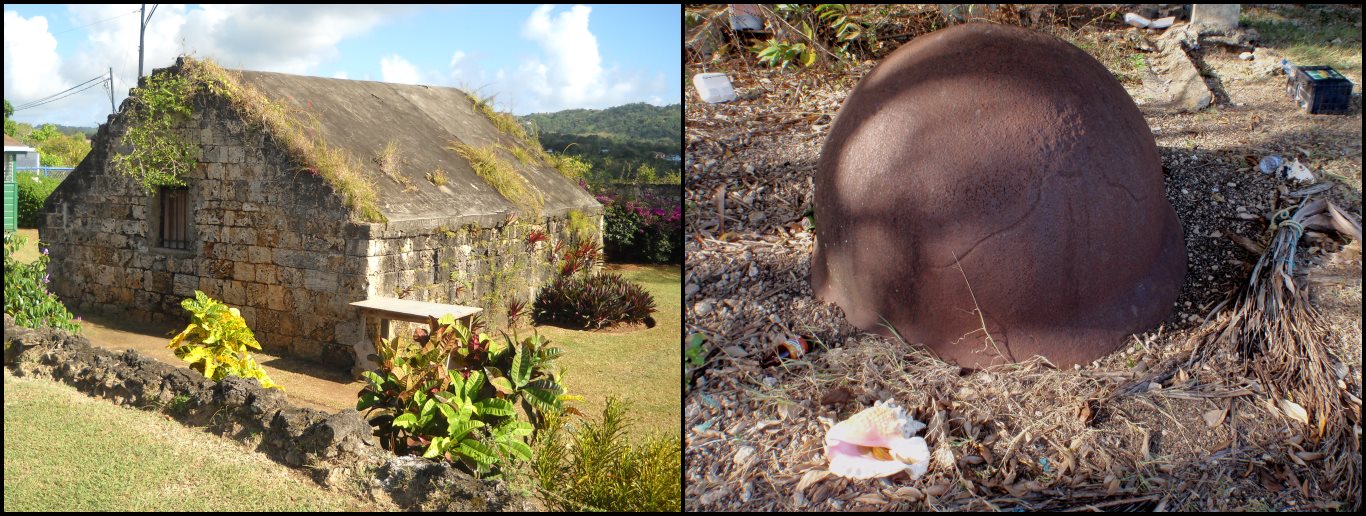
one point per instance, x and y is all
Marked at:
(336, 450)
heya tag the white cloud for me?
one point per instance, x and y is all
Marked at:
(396, 69)
(567, 69)
(574, 72)
(273, 37)
(31, 60)
(282, 38)
(339, 75)
(456, 58)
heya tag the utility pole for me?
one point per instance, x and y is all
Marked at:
(142, 32)
(111, 90)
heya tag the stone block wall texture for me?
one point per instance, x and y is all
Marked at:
(264, 238)
(274, 241)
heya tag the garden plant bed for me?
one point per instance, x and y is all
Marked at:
(1024, 436)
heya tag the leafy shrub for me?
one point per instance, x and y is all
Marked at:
(579, 226)
(26, 296)
(464, 412)
(579, 258)
(216, 342)
(536, 236)
(779, 54)
(831, 25)
(597, 468)
(33, 190)
(594, 301)
(641, 230)
(160, 155)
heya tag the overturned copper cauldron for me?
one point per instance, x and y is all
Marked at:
(988, 174)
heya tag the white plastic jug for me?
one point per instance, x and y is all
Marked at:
(713, 87)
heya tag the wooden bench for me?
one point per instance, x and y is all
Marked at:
(388, 309)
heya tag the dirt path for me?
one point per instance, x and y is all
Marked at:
(305, 383)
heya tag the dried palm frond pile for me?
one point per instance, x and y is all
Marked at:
(1279, 424)
(1272, 333)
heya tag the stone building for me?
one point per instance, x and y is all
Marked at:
(258, 227)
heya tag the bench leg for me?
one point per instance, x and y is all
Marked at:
(365, 346)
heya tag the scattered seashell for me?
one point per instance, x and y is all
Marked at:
(877, 442)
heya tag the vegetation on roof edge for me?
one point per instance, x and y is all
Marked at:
(299, 133)
(158, 154)
(530, 151)
(501, 175)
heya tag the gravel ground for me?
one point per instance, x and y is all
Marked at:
(753, 432)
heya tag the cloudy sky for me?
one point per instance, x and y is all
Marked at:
(533, 58)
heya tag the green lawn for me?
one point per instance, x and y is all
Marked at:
(1310, 35)
(29, 251)
(640, 367)
(65, 451)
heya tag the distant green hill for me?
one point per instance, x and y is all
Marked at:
(89, 132)
(618, 140)
(638, 121)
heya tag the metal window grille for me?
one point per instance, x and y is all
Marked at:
(175, 216)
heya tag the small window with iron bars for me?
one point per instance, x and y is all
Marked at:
(175, 218)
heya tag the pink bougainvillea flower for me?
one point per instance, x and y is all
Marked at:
(879, 441)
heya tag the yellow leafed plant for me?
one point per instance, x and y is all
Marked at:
(216, 341)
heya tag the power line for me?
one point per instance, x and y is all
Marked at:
(95, 23)
(60, 98)
(44, 99)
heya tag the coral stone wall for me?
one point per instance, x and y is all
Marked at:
(477, 261)
(264, 237)
(276, 242)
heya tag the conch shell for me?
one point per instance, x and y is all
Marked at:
(877, 442)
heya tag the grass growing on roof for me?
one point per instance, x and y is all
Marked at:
(505, 122)
(389, 160)
(501, 175)
(437, 177)
(300, 135)
(520, 153)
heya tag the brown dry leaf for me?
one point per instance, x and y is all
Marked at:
(1111, 484)
(764, 425)
(836, 396)
(1310, 456)
(811, 477)
(908, 493)
(1294, 410)
(735, 351)
(1215, 417)
(743, 455)
(937, 490)
(871, 499)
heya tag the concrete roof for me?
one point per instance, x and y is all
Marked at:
(362, 117)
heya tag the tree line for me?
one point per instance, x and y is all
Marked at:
(57, 146)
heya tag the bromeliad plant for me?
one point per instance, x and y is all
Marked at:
(216, 342)
(596, 301)
(452, 394)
